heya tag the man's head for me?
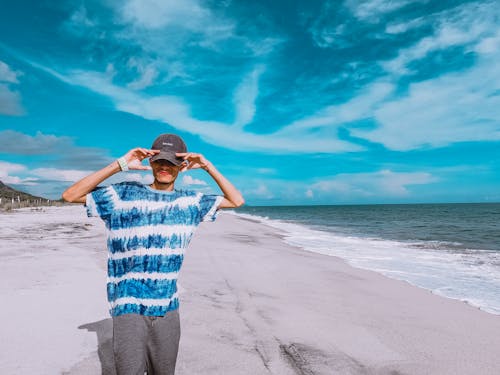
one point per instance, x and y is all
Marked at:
(166, 164)
(169, 145)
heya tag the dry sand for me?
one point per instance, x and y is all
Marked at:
(250, 304)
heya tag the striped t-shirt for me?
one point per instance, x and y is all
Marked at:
(148, 231)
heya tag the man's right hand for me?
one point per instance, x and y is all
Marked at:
(135, 157)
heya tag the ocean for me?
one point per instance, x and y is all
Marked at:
(450, 249)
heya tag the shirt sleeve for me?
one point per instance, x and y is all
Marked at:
(99, 202)
(208, 206)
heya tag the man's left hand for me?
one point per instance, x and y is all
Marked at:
(193, 160)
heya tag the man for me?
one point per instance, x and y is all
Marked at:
(149, 228)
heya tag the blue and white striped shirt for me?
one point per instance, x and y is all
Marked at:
(148, 232)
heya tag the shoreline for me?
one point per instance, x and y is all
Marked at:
(283, 237)
(398, 260)
(250, 304)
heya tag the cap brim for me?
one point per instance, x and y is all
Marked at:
(167, 156)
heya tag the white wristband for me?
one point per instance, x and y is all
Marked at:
(123, 164)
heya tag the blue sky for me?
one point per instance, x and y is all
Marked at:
(297, 102)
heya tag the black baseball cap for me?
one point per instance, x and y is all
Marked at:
(168, 144)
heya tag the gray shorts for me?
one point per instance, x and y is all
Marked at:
(146, 343)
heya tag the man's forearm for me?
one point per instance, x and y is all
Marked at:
(77, 192)
(232, 195)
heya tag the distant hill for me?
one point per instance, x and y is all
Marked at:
(7, 193)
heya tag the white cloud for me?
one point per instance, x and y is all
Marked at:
(266, 170)
(9, 174)
(309, 193)
(14, 180)
(155, 14)
(79, 22)
(374, 184)
(6, 167)
(10, 99)
(165, 27)
(147, 75)
(7, 74)
(332, 27)
(372, 10)
(448, 109)
(329, 35)
(159, 32)
(261, 46)
(86, 158)
(70, 175)
(489, 45)
(295, 138)
(245, 96)
(189, 180)
(259, 191)
(143, 178)
(10, 102)
(13, 142)
(456, 107)
(359, 107)
(402, 27)
(468, 24)
(73, 175)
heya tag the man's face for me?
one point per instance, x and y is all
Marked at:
(164, 171)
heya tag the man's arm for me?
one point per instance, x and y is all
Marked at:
(78, 191)
(232, 197)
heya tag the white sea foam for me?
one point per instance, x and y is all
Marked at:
(472, 276)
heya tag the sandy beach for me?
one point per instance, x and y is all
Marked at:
(250, 304)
